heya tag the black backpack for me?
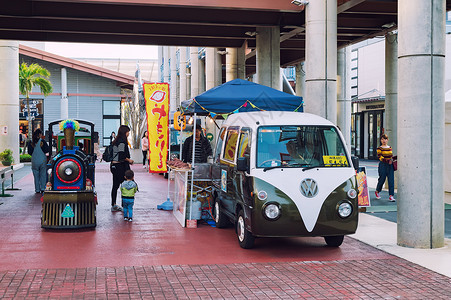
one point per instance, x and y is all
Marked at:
(108, 154)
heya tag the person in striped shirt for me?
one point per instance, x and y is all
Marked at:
(385, 169)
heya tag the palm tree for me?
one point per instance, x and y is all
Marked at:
(29, 77)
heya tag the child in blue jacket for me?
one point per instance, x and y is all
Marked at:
(128, 190)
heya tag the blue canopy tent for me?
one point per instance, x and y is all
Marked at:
(240, 95)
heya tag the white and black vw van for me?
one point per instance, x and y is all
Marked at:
(280, 174)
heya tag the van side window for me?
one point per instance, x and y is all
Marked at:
(244, 149)
(219, 145)
(230, 144)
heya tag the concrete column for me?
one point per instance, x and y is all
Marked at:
(9, 101)
(391, 89)
(166, 64)
(160, 64)
(268, 57)
(212, 80)
(183, 79)
(321, 59)
(344, 93)
(300, 79)
(421, 119)
(64, 100)
(241, 62)
(210, 60)
(194, 58)
(218, 68)
(231, 64)
(173, 103)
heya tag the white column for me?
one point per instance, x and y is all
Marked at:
(300, 79)
(160, 63)
(194, 58)
(268, 57)
(64, 101)
(344, 94)
(166, 64)
(321, 59)
(173, 103)
(211, 81)
(9, 102)
(183, 85)
(231, 64)
(218, 68)
(241, 62)
(391, 89)
(421, 119)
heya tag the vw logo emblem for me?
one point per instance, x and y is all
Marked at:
(309, 188)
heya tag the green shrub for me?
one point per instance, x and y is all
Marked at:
(25, 158)
(7, 156)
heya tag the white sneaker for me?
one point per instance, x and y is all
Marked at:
(391, 199)
(144, 166)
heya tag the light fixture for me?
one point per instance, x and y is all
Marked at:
(299, 2)
(389, 25)
(222, 52)
(251, 33)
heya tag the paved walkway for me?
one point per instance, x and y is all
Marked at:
(155, 258)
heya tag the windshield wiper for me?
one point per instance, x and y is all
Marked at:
(323, 166)
(273, 167)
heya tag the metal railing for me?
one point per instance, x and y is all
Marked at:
(5, 174)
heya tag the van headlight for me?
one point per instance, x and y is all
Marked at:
(272, 211)
(352, 193)
(344, 209)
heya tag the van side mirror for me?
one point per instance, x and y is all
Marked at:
(242, 164)
(355, 162)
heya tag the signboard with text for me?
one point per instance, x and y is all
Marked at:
(157, 109)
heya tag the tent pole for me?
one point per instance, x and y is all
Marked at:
(192, 168)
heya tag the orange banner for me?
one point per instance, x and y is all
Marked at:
(157, 109)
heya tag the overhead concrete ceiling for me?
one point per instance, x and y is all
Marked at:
(203, 23)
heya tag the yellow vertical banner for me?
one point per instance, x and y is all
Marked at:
(157, 109)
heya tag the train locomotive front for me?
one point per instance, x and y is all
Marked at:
(70, 199)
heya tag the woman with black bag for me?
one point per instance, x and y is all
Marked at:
(120, 163)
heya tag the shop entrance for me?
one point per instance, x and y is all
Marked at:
(37, 117)
(375, 130)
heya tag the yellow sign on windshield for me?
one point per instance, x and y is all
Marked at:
(331, 160)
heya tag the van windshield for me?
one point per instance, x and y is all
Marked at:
(300, 147)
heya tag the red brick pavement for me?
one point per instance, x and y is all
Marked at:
(154, 258)
(351, 279)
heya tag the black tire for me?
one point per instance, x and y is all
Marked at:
(334, 241)
(245, 238)
(220, 219)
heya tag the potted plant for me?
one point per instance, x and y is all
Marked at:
(6, 157)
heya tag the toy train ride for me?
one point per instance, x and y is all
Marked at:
(70, 199)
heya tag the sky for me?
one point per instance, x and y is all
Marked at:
(80, 50)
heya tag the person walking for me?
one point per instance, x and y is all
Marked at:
(385, 169)
(112, 137)
(128, 190)
(38, 148)
(120, 163)
(145, 147)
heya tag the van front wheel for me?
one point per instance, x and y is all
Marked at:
(245, 238)
(220, 218)
(334, 241)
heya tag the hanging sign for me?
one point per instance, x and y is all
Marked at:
(179, 121)
(157, 109)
